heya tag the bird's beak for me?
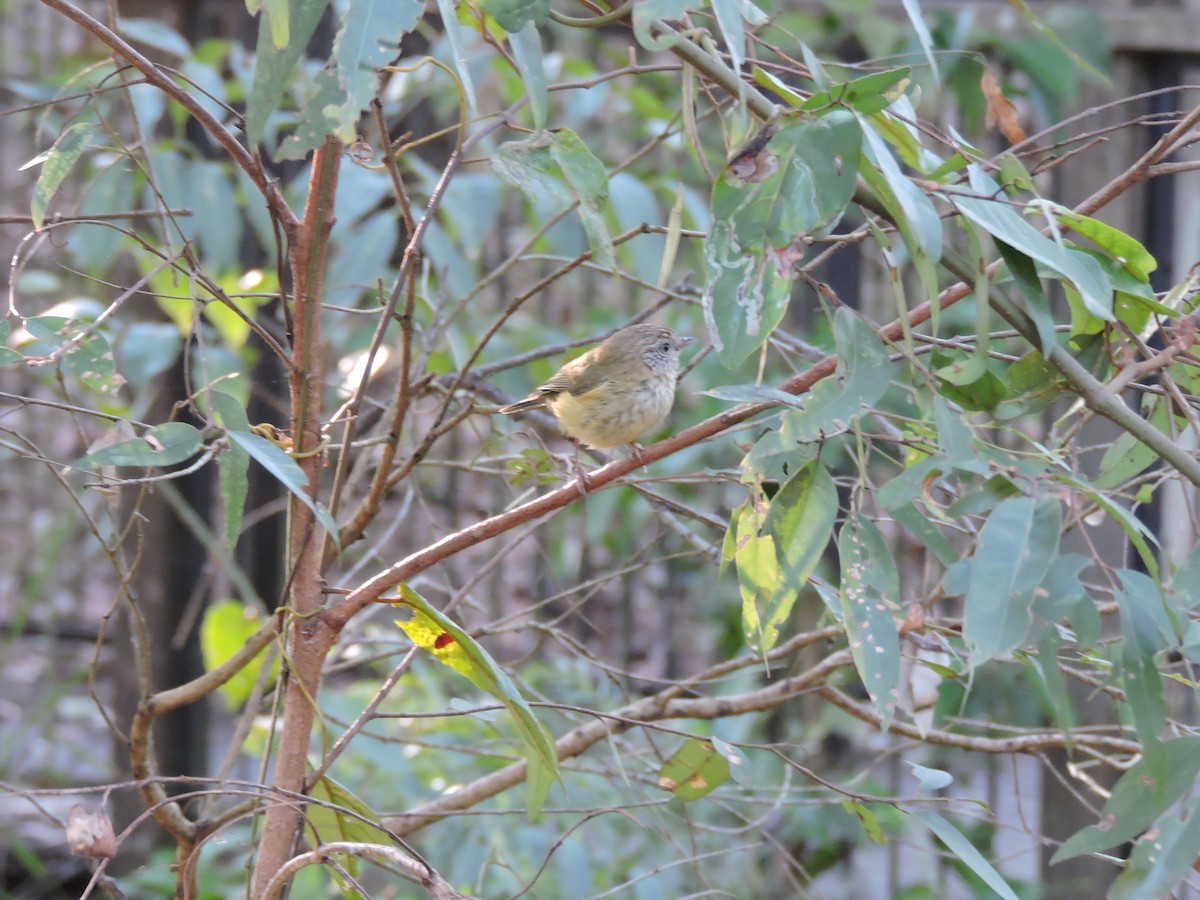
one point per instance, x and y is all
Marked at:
(685, 339)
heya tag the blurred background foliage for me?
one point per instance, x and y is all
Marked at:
(622, 594)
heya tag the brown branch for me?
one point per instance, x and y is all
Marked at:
(310, 638)
(1022, 743)
(664, 705)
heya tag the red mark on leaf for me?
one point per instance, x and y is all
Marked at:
(442, 641)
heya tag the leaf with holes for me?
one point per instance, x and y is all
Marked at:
(870, 594)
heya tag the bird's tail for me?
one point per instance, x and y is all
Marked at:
(522, 405)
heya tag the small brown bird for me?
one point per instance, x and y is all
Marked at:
(617, 391)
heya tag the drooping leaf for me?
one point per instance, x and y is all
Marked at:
(999, 219)
(1024, 273)
(341, 816)
(728, 14)
(368, 38)
(1138, 798)
(759, 580)
(588, 182)
(458, 50)
(1162, 859)
(958, 844)
(920, 218)
(57, 163)
(868, 820)
(562, 164)
(232, 466)
(1142, 639)
(870, 598)
(1016, 546)
(274, 65)
(285, 470)
(797, 527)
(435, 633)
(922, 31)
(527, 51)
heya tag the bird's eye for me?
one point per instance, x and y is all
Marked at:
(664, 347)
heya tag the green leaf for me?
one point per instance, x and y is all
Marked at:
(313, 123)
(514, 15)
(920, 218)
(759, 580)
(274, 65)
(755, 393)
(749, 251)
(8, 356)
(285, 470)
(999, 219)
(1016, 546)
(1024, 273)
(1126, 250)
(870, 599)
(86, 354)
(1138, 798)
(157, 34)
(1135, 530)
(1127, 456)
(865, 372)
(798, 526)
(763, 78)
(278, 20)
(1141, 641)
(342, 817)
(233, 464)
(1054, 684)
(588, 182)
(367, 39)
(868, 95)
(647, 12)
(224, 630)
(958, 844)
(695, 769)
(922, 31)
(458, 51)
(868, 820)
(162, 445)
(1161, 860)
(738, 770)
(527, 51)
(745, 294)
(1032, 386)
(931, 779)
(57, 163)
(728, 14)
(562, 164)
(435, 633)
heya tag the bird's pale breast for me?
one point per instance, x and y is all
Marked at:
(609, 416)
